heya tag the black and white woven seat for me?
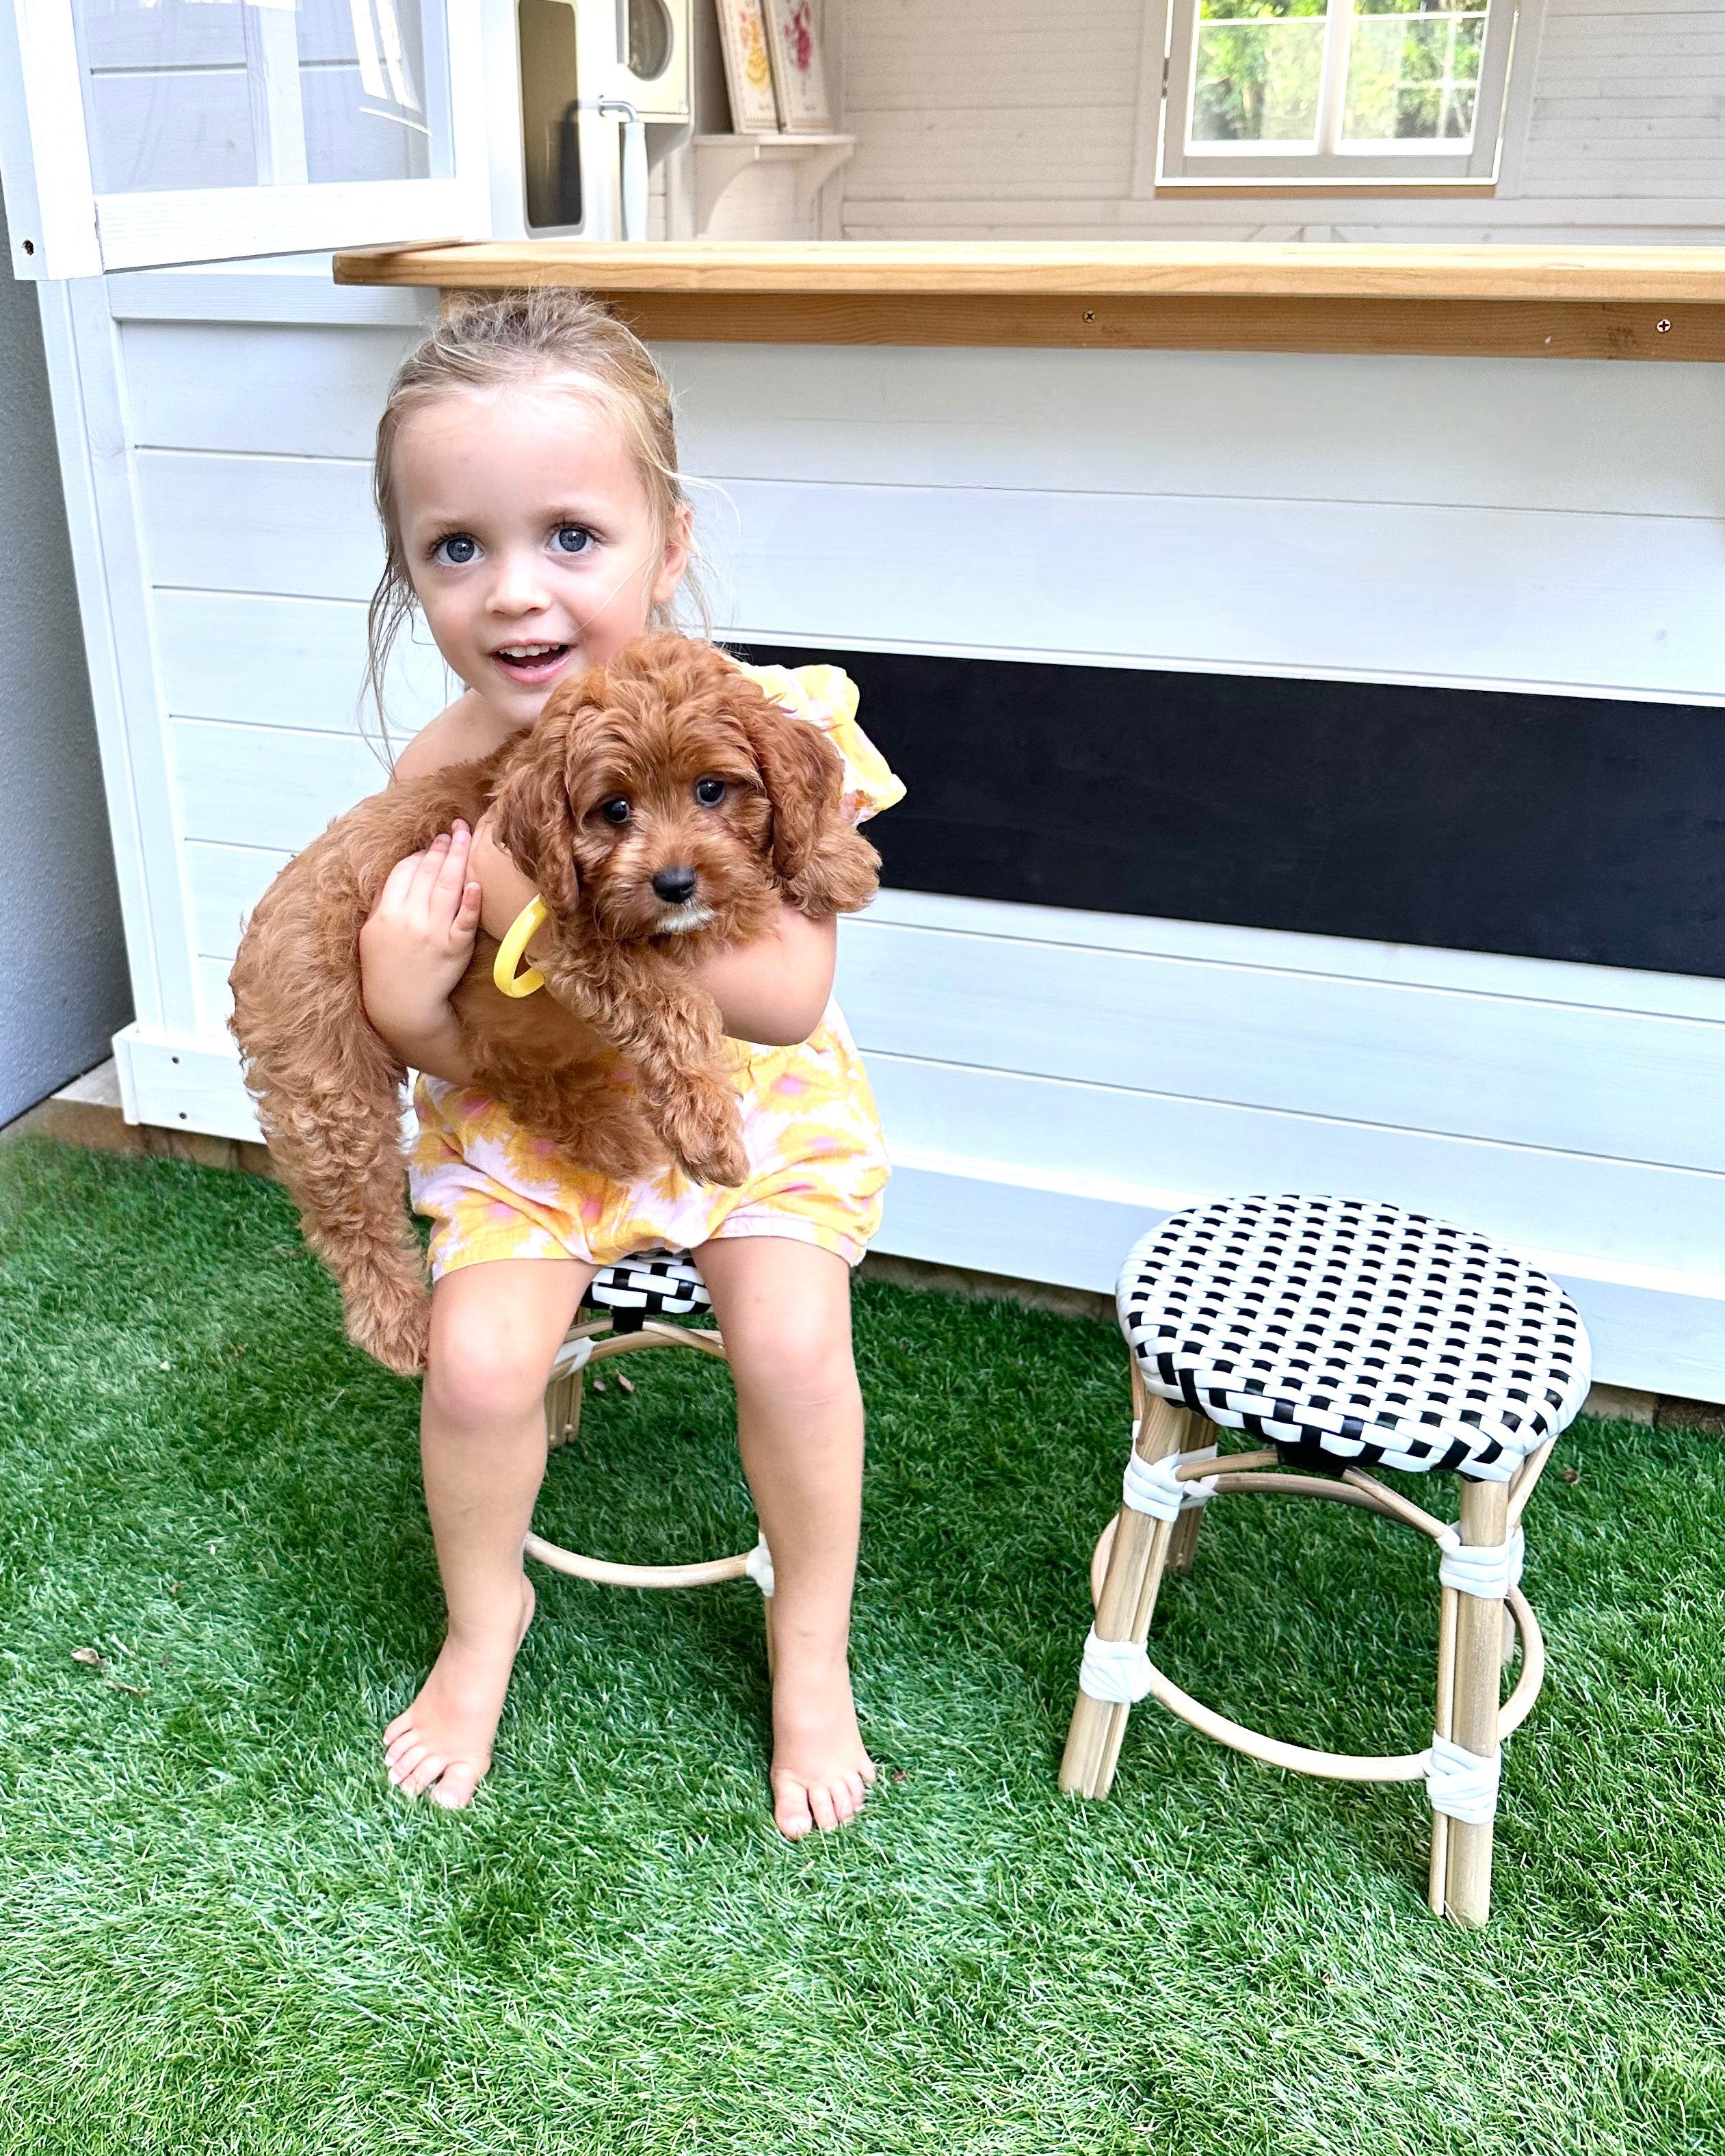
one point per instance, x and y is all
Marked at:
(631, 1300)
(1344, 1335)
(655, 1284)
(1339, 1329)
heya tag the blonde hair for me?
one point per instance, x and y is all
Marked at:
(488, 341)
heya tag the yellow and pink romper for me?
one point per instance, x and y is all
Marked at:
(818, 1163)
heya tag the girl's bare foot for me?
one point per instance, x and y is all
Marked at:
(821, 1773)
(442, 1743)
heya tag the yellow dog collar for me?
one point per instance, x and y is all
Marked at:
(526, 924)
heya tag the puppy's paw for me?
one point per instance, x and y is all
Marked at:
(395, 1329)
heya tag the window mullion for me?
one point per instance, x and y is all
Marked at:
(1339, 22)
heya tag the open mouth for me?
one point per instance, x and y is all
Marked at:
(531, 662)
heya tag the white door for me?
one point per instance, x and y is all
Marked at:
(141, 132)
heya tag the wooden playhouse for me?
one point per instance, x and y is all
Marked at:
(1294, 598)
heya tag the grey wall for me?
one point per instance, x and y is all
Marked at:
(63, 977)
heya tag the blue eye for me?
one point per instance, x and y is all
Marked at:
(572, 539)
(456, 551)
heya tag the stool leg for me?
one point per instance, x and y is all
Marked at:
(1183, 1550)
(562, 1409)
(1127, 1605)
(1479, 1636)
(1445, 1724)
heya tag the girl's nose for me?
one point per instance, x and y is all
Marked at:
(517, 587)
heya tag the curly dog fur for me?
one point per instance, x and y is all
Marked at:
(667, 763)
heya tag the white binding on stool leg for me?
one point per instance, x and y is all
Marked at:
(573, 1356)
(1149, 1485)
(759, 1565)
(1116, 1670)
(1487, 1570)
(1460, 1783)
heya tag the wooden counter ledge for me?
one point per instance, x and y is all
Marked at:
(1564, 302)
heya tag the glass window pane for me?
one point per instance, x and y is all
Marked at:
(243, 93)
(362, 72)
(1258, 69)
(1413, 72)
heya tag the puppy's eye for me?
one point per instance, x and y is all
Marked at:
(709, 792)
(615, 810)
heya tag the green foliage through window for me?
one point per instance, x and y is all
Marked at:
(1412, 71)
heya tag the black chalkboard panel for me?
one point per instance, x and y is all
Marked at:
(1554, 827)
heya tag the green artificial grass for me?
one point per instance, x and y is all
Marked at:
(223, 1933)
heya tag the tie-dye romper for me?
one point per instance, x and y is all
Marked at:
(492, 1190)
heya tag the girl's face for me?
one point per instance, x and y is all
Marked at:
(529, 536)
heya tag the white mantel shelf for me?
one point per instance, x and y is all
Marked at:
(1645, 303)
(720, 159)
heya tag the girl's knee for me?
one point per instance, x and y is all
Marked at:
(803, 1354)
(479, 1371)
(495, 1329)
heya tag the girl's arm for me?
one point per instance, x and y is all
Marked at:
(772, 991)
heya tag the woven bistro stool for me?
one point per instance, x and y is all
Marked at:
(1343, 1335)
(631, 1300)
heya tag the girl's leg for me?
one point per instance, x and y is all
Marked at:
(495, 1329)
(784, 1309)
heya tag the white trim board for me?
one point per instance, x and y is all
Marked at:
(138, 230)
(1076, 1133)
(1591, 601)
(1652, 1329)
(1613, 1084)
(1540, 436)
(246, 292)
(831, 644)
(1409, 965)
(257, 658)
(99, 476)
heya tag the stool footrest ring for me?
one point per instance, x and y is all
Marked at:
(604, 1573)
(592, 1341)
(1121, 1672)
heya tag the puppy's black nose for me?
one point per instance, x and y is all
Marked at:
(675, 886)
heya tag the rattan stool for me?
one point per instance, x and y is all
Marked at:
(1343, 1335)
(631, 1300)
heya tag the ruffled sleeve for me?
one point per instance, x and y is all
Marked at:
(827, 696)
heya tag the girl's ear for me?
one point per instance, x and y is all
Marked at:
(823, 866)
(535, 818)
(674, 562)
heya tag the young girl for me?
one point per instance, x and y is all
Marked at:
(526, 482)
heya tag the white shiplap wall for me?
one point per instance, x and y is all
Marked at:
(1013, 119)
(1050, 1079)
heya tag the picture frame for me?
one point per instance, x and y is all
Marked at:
(748, 67)
(799, 75)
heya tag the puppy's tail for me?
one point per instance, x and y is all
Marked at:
(329, 1099)
(346, 1174)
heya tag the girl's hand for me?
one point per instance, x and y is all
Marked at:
(417, 943)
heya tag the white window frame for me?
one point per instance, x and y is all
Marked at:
(1330, 167)
(60, 227)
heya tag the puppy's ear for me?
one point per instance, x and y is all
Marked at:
(536, 819)
(821, 864)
